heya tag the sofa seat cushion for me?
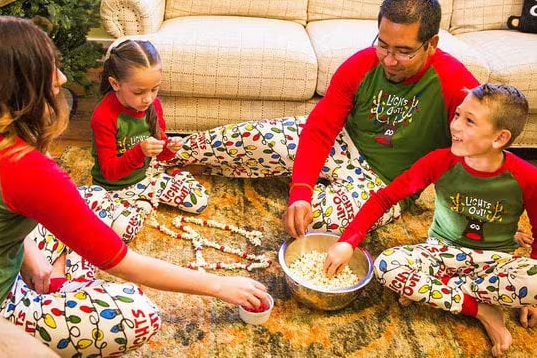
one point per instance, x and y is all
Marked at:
(185, 115)
(336, 40)
(511, 57)
(235, 57)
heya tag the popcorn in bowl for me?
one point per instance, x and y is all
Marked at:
(310, 291)
(310, 267)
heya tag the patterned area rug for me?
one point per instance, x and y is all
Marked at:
(374, 325)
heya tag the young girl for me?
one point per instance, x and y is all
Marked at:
(85, 317)
(129, 128)
(466, 266)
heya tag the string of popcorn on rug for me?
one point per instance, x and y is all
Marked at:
(198, 241)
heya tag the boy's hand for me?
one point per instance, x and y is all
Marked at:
(523, 239)
(151, 147)
(174, 143)
(528, 316)
(339, 255)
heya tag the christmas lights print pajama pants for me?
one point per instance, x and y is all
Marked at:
(267, 148)
(180, 190)
(440, 275)
(86, 317)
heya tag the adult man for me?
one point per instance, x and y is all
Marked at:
(393, 101)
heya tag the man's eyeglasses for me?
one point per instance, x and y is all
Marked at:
(398, 56)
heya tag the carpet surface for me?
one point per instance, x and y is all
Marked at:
(374, 325)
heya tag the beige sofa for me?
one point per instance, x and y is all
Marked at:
(230, 61)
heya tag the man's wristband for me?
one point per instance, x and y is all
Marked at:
(295, 185)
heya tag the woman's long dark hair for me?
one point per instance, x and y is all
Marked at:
(121, 59)
(28, 107)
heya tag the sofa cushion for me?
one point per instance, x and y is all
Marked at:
(477, 15)
(511, 57)
(360, 9)
(187, 114)
(336, 40)
(235, 57)
(464, 52)
(294, 10)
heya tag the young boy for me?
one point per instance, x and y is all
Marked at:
(466, 265)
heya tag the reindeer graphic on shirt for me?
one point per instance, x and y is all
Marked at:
(392, 111)
(477, 212)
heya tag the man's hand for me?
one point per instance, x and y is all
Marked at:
(297, 217)
(339, 255)
(35, 269)
(528, 316)
(151, 147)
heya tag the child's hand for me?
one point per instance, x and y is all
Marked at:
(339, 255)
(528, 316)
(151, 147)
(523, 239)
(174, 143)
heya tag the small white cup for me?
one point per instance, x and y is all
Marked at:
(257, 317)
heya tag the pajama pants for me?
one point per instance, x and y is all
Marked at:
(267, 148)
(181, 190)
(440, 275)
(86, 316)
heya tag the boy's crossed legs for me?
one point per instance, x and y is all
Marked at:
(461, 280)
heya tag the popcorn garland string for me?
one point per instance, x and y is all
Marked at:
(198, 242)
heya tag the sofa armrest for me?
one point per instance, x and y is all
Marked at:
(132, 17)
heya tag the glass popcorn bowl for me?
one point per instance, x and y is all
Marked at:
(317, 297)
(255, 318)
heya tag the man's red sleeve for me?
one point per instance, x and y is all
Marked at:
(454, 78)
(325, 122)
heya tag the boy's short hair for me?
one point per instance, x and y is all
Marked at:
(508, 107)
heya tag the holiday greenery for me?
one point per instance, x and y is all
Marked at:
(67, 22)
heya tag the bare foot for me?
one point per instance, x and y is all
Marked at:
(491, 317)
(405, 301)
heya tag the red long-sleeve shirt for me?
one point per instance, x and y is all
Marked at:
(473, 209)
(117, 133)
(33, 189)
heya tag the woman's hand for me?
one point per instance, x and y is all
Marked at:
(338, 256)
(174, 143)
(151, 147)
(241, 291)
(163, 275)
(528, 316)
(297, 217)
(35, 270)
